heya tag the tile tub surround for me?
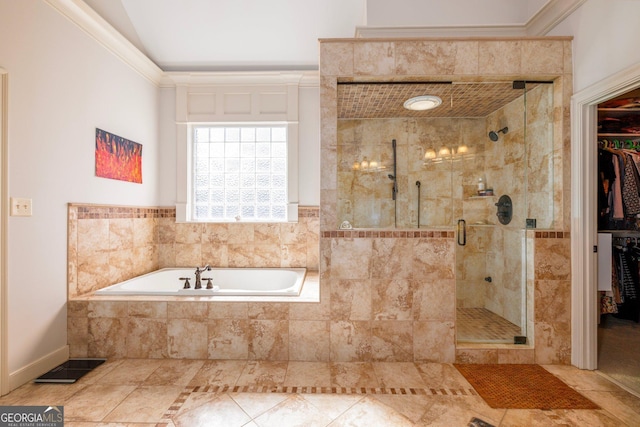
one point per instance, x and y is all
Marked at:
(109, 244)
(196, 328)
(546, 58)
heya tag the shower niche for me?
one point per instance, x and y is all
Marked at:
(439, 168)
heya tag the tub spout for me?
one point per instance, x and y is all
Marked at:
(199, 270)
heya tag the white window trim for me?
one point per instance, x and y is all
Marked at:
(292, 167)
(220, 98)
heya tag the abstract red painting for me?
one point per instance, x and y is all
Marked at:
(118, 158)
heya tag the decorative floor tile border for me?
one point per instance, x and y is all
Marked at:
(182, 398)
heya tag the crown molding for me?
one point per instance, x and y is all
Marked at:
(246, 78)
(550, 15)
(78, 12)
(441, 31)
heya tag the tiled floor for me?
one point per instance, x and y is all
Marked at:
(482, 325)
(193, 393)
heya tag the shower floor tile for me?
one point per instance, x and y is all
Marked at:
(482, 325)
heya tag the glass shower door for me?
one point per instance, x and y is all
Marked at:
(497, 206)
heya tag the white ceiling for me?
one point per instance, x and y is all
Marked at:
(240, 35)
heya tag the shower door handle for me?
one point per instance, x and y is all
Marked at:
(462, 232)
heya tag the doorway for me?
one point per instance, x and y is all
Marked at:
(584, 212)
(619, 240)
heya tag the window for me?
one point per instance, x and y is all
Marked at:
(240, 172)
(225, 126)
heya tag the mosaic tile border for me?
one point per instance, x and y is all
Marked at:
(354, 234)
(553, 235)
(308, 212)
(109, 212)
(182, 397)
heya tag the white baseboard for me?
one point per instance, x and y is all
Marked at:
(38, 367)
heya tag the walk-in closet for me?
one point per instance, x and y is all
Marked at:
(619, 239)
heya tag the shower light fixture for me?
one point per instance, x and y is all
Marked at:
(421, 103)
(446, 153)
(367, 165)
(430, 154)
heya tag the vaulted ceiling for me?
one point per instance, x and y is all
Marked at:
(265, 35)
(254, 35)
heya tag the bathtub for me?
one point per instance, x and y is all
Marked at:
(226, 282)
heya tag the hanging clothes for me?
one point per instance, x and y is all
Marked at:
(623, 299)
(618, 187)
(630, 186)
(617, 210)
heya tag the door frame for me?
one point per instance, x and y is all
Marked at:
(584, 206)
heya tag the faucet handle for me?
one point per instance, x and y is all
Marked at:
(209, 282)
(187, 285)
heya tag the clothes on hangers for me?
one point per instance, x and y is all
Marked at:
(618, 187)
(623, 300)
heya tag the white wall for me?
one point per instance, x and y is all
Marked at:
(605, 39)
(168, 149)
(436, 13)
(309, 147)
(62, 85)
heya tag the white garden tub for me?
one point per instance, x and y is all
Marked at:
(226, 281)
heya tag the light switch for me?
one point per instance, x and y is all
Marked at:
(21, 207)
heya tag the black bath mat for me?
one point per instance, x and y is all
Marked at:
(70, 371)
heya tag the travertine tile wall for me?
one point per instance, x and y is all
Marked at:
(109, 244)
(392, 294)
(364, 196)
(346, 261)
(241, 245)
(179, 329)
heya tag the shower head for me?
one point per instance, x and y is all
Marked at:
(493, 135)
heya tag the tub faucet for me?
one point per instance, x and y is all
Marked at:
(199, 271)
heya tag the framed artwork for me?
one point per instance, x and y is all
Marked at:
(118, 158)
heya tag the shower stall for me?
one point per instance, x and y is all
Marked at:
(480, 163)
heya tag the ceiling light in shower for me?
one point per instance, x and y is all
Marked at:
(421, 103)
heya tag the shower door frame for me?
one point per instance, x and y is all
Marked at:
(521, 231)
